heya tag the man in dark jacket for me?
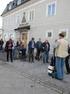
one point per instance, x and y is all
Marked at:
(8, 48)
(39, 48)
(67, 61)
(31, 46)
(46, 49)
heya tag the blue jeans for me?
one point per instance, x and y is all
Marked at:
(59, 66)
(13, 53)
(45, 57)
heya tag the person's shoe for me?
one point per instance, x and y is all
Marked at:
(43, 62)
(28, 60)
(58, 78)
(11, 61)
(32, 61)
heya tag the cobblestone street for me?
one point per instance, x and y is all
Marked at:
(30, 78)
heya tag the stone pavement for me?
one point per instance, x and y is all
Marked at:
(22, 77)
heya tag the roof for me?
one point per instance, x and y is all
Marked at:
(13, 4)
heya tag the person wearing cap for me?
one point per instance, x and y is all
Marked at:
(31, 47)
(61, 53)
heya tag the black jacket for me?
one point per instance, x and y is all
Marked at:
(46, 47)
(69, 50)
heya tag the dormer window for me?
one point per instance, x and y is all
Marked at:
(10, 6)
(18, 2)
(14, 4)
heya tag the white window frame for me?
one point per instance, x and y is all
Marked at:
(50, 4)
(10, 6)
(64, 30)
(48, 31)
(18, 2)
(30, 11)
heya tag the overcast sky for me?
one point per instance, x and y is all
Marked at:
(3, 4)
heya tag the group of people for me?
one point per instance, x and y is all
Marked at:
(41, 47)
(11, 47)
(61, 52)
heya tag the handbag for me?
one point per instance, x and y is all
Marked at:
(50, 69)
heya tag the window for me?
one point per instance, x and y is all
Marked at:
(51, 9)
(17, 19)
(31, 15)
(10, 6)
(14, 4)
(18, 2)
(49, 34)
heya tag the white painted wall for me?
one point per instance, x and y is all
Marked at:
(41, 23)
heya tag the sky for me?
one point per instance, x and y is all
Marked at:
(3, 4)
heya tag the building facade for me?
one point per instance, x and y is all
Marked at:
(1, 33)
(45, 19)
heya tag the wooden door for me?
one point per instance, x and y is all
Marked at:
(24, 39)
